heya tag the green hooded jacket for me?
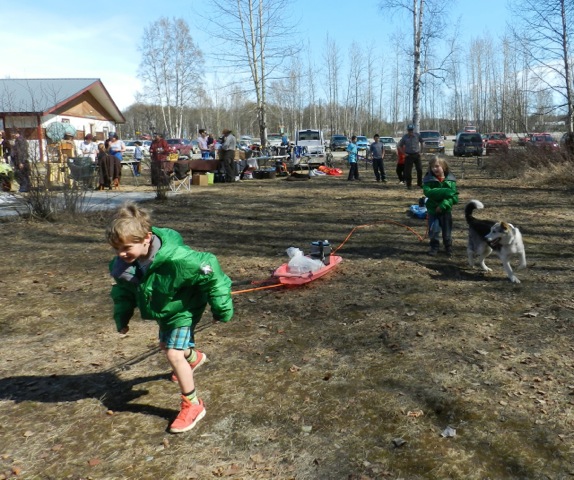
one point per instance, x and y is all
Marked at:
(175, 289)
(440, 194)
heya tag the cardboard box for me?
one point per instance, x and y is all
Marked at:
(199, 179)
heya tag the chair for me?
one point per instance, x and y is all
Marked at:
(180, 177)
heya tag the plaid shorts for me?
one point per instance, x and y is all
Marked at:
(178, 338)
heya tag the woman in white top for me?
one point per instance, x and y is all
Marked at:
(88, 148)
(116, 147)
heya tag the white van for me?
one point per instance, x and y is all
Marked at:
(312, 140)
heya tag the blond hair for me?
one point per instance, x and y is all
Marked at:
(441, 161)
(129, 224)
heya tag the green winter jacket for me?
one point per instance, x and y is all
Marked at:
(440, 194)
(175, 289)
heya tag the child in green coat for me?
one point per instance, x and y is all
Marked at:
(439, 186)
(171, 284)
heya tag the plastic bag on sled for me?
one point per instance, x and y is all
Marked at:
(299, 263)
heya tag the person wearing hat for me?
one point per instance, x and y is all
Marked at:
(88, 148)
(411, 146)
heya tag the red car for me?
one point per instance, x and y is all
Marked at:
(523, 141)
(544, 141)
(180, 145)
(497, 142)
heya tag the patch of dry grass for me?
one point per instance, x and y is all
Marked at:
(305, 383)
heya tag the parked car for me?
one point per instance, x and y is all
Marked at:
(567, 143)
(543, 141)
(432, 141)
(131, 147)
(522, 141)
(181, 146)
(362, 143)
(470, 129)
(389, 144)
(145, 146)
(467, 144)
(339, 142)
(497, 142)
(274, 139)
(312, 140)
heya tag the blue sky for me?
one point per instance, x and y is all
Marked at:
(43, 40)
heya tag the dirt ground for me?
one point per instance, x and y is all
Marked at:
(356, 375)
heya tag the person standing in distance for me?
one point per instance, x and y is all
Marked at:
(202, 141)
(158, 150)
(411, 145)
(353, 151)
(20, 161)
(378, 153)
(228, 155)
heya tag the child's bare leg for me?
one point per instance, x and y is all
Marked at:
(180, 366)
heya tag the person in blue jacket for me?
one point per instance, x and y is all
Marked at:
(352, 150)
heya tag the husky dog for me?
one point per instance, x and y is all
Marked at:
(486, 236)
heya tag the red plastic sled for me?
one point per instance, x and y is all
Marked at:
(288, 278)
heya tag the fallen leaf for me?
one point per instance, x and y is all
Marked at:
(234, 469)
(257, 458)
(94, 462)
(415, 413)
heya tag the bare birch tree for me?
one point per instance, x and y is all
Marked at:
(428, 25)
(256, 34)
(333, 67)
(543, 32)
(170, 70)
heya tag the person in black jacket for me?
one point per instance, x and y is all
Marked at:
(20, 161)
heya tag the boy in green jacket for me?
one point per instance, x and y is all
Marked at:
(171, 284)
(439, 186)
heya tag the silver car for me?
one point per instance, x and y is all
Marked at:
(389, 144)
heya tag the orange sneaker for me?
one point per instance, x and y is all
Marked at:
(199, 361)
(189, 415)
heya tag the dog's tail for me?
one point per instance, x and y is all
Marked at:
(470, 208)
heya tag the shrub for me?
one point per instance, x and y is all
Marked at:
(547, 168)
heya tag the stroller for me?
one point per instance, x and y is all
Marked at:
(82, 172)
